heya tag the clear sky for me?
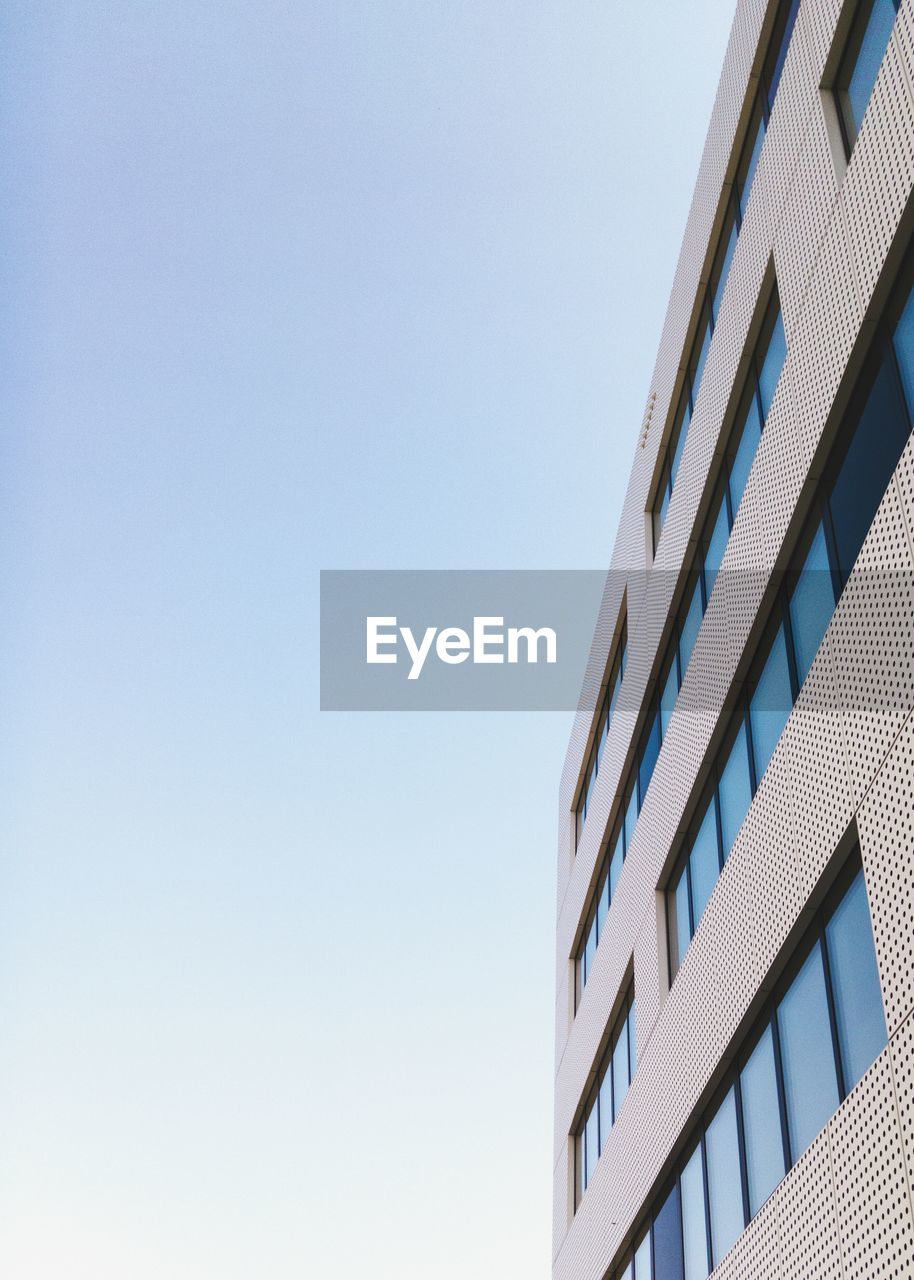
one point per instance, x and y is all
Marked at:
(292, 286)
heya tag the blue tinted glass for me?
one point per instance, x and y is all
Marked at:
(681, 438)
(877, 444)
(620, 1072)
(717, 545)
(668, 1238)
(694, 1228)
(702, 354)
(704, 862)
(771, 703)
(904, 350)
(762, 1123)
(772, 365)
(648, 761)
(855, 982)
(591, 1144)
(615, 864)
(812, 604)
(632, 1042)
(616, 686)
(631, 817)
(732, 237)
(725, 1194)
(591, 783)
(746, 187)
(606, 1107)
(734, 790)
(745, 454)
(603, 735)
(781, 57)
(869, 59)
(661, 514)
(810, 1083)
(691, 625)
(681, 931)
(602, 906)
(668, 697)
(642, 1268)
(590, 949)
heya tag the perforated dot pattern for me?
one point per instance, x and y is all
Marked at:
(874, 1208)
(807, 1218)
(881, 167)
(885, 823)
(873, 642)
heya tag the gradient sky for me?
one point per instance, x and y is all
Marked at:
(293, 286)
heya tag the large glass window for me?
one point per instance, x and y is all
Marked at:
(855, 979)
(866, 452)
(763, 106)
(810, 1086)
(704, 861)
(812, 603)
(734, 790)
(694, 1224)
(764, 1148)
(797, 1052)
(668, 1238)
(603, 719)
(866, 46)
(725, 1194)
(613, 1080)
(771, 703)
(642, 1267)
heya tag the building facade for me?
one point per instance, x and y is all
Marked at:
(734, 1086)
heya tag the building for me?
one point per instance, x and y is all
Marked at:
(735, 936)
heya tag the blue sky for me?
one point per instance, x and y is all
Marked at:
(292, 287)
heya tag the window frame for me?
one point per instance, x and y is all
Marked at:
(847, 64)
(602, 722)
(622, 1023)
(816, 934)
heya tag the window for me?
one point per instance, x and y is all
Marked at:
(765, 1163)
(667, 1233)
(764, 99)
(712, 294)
(860, 63)
(810, 1086)
(660, 711)
(877, 427)
(709, 310)
(695, 1250)
(614, 1077)
(607, 706)
(797, 1052)
(725, 1195)
(858, 1003)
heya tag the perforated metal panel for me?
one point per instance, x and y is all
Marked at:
(901, 1052)
(807, 211)
(881, 169)
(807, 1218)
(885, 823)
(849, 744)
(820, 349)
(874, 1209)
(873, 643)
(757, 1254)
(819, 18)
(796, 98)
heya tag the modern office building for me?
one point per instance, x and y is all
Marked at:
(734, 1087)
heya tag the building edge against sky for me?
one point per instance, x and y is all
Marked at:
(734, 1080)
